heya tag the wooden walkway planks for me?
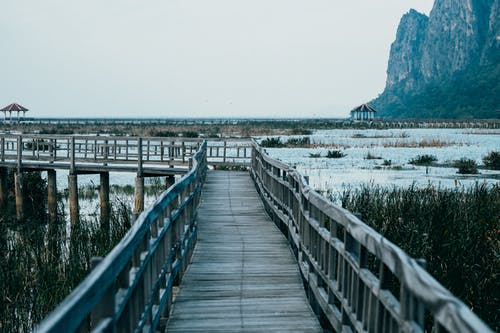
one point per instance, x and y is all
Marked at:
(243, 276)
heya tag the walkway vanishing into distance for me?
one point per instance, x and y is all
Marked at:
(243, 276)
(208, 256)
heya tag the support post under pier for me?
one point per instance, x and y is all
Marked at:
(170, 180)
(104, 196)
(52, 195)
(18, 189)
(139, 195)
(139, 183)
(74, 211)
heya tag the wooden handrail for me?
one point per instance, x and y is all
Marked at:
(351, 271)
(56, 151)
(131, 288)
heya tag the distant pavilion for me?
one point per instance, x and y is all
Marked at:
(14, 107)
(364, 112)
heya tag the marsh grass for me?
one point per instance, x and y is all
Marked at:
(457, 231)
(423, 160)
(335, 154)
(466, 166)
(303, 142)
(492, 160)
(370, 156)
(42, 262)
(436, 143)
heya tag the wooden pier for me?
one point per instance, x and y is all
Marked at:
(243, 276)
(208, 256)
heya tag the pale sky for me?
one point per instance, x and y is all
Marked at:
(196, 58)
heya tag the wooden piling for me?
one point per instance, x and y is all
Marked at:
(52, 195)
(74, 211)
(18, 189)
(139, 182)
(139, 195)
(104, 196)
(170, 180)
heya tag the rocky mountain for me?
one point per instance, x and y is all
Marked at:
(445, 65)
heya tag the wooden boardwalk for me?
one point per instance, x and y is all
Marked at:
(243, 276)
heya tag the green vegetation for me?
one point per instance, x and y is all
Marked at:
(272, 143)
(423, 160)
(465, 166)
(190, 134)
(42, 262)
(335, 154)
(314, 155)
(163, 133)
(469, 94)
(455, 230)
(492, 160)
(299, 142)
(290, 143)
(370, 156)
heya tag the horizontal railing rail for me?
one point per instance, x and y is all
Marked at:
(96, 149)
(131, 288)
(123, 150)
(235, 152)
(357, 280)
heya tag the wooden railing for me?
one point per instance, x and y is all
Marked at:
(96, 149)
(356, 279)
(131, 288)
(229, 152)
(63, 151)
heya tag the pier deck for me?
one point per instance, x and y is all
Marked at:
(243, 276)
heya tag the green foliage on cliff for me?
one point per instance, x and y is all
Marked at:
(469, 94)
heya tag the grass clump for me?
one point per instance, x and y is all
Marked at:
(272, 143)
(423, 160)
(370, 156)
(465, 166)
(492, 160)
(299, 142)
(335, 154)
(455, 230)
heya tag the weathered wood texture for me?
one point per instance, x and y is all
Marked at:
(357, 280)
(243, 276)
(96, 154)
(131, 288)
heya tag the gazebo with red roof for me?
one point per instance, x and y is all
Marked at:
(13, 107)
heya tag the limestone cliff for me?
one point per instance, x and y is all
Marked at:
(434, 55)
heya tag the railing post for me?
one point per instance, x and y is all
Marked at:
(106, 306)
(225, 149)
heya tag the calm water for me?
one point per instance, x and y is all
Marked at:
(354, 169)
(332, 175)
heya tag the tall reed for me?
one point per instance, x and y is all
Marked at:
(457, 231)
(43, 261)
